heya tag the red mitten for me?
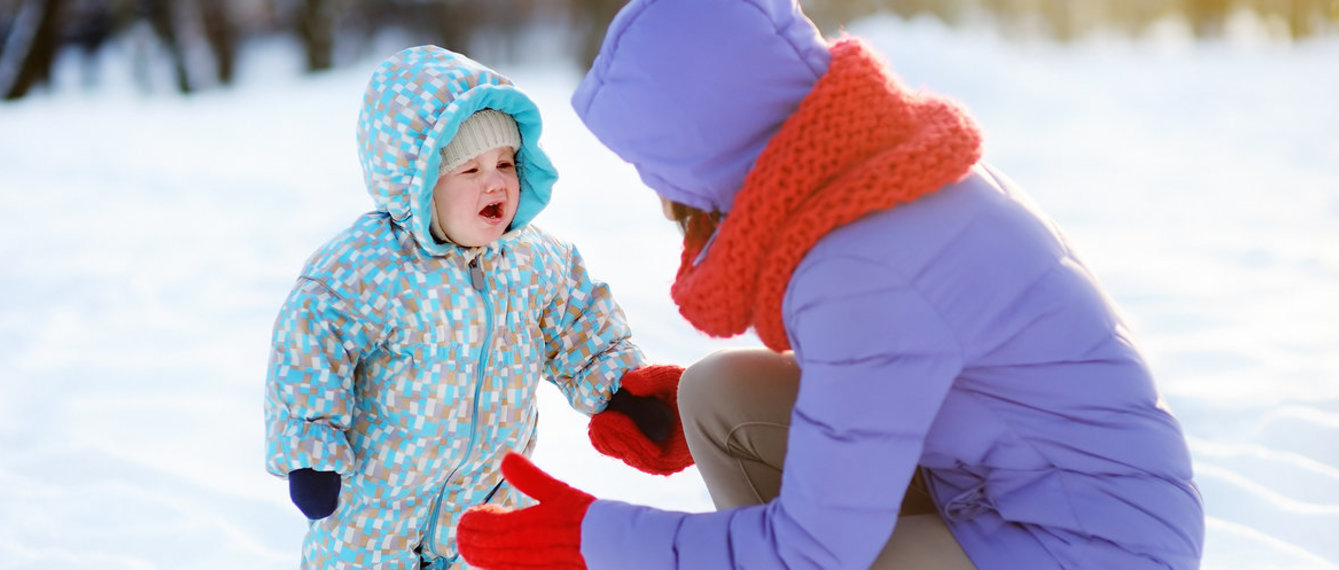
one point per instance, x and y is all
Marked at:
(547, 535)
(615, 434)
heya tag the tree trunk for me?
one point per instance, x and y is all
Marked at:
(456, 22)
(30, 48)
(162, 18)
(316, 27)
(596, 15)
(221, 33)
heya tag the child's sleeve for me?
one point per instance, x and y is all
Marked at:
(317, 342)
(588, 338)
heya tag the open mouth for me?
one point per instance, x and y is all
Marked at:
(492, 212)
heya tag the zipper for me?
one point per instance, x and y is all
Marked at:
(489, 497)
(480, 285)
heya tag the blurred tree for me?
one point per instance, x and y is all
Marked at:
(1011, 16)
(1134, 17)
(830, 15)
(30, 47)
(161, 17)
(1061, 19)
(947, 11)
(315, 24)
(448, 23)
(456, 23)
(330, 32)
(221, 33)
(592, 18)
(89, 24)
(1308, 18)
(1208, 18)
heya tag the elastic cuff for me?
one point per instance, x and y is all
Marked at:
(306, 444)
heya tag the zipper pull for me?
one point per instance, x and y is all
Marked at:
(476, 275)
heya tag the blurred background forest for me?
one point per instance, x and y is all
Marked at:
(200, 39)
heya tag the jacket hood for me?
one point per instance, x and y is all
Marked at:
(690, 91)
(412, 107)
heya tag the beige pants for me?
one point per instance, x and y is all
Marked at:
(736, 407)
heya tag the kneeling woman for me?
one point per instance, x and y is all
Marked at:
(945, 383)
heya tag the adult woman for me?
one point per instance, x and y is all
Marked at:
(936, 331)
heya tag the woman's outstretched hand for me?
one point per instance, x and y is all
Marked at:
(641, 426)
(547, 535)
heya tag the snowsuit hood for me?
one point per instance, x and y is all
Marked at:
(412, 107)
(691, 145)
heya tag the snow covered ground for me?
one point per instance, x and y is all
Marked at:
(146, 242)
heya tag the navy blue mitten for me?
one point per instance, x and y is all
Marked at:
(316, 493)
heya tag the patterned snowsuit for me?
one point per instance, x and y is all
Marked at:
(409, 366)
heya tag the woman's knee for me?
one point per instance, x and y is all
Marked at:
(708, 373)
(732, 378)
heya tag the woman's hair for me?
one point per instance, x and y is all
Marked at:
(696, 225)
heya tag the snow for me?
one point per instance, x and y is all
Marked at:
(148, 240)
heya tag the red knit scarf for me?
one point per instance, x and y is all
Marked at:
(859, 142)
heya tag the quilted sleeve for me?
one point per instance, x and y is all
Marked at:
(877, 362)
(317, 342)
(587, 338)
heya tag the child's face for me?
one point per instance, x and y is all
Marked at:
(477, 201)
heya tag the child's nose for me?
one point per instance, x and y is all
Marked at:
(495, 181)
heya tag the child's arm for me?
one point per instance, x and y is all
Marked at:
(592, 359)
(588, 340)
(309, 390)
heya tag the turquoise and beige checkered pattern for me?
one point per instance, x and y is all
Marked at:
(389, 367)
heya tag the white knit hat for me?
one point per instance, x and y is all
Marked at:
(484, 130)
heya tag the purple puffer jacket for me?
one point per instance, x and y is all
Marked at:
(958, 334)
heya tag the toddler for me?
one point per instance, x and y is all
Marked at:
(405, 359)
